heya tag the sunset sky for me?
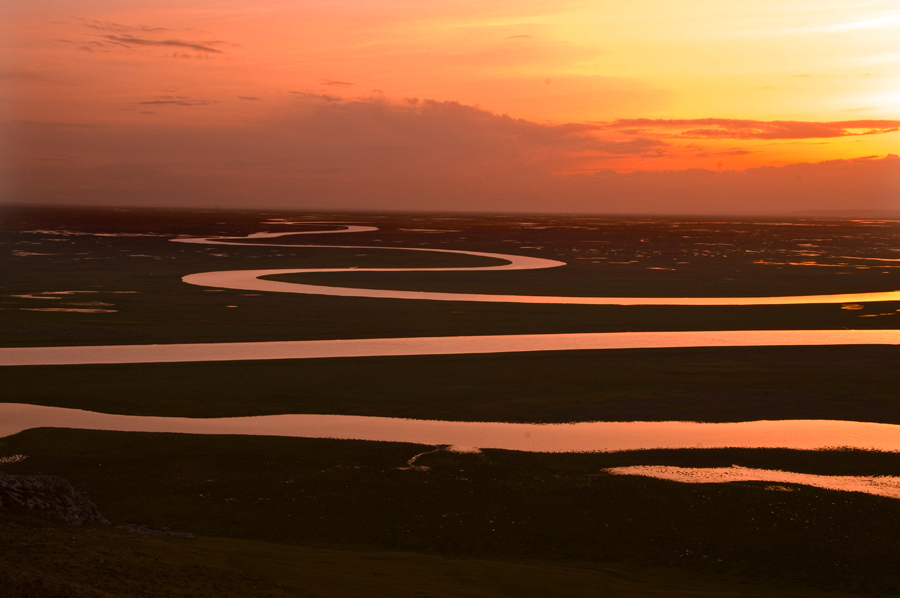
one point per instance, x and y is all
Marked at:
(745, 106)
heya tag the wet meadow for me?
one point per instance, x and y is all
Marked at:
(403, 519)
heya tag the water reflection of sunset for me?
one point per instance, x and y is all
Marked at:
(888, 486)
(552, 438)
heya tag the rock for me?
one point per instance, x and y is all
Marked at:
(46, 497)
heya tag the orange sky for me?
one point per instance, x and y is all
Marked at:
(316, 103)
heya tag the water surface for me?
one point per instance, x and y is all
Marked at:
(436, 345)
(888, 486)
(552, 438)
(252, 280)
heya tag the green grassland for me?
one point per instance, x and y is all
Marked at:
(280, 516)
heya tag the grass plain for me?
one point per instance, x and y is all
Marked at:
(303, 517)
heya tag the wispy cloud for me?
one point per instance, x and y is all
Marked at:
(131, 41)
(885, 19)
(336, 82)
(305, 95)
(116, 27)
(170, 100)
(723, 128)
(873, 21)
(116, 37)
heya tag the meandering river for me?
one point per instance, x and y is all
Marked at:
(250, 280)
(574, 437)
(552, 438)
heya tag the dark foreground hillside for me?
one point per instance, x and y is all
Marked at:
(561, 516)
(49, 561)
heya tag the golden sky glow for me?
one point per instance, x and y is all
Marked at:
(556, 88)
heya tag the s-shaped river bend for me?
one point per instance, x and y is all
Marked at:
(253, 280)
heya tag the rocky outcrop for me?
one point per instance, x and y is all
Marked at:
(46, 497)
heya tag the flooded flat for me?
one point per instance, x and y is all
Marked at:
(888, 486)
(551, 438)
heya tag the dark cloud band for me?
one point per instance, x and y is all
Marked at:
(130, 40)
(723, 128)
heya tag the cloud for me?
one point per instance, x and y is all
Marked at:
(336, 83)
(435, 124)
(723, 128)
(117, 27)
(326, 152)
(124, 38)
(131, 41)
(315, 96)
(734, 152)
(249, 98)
(175, 101)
